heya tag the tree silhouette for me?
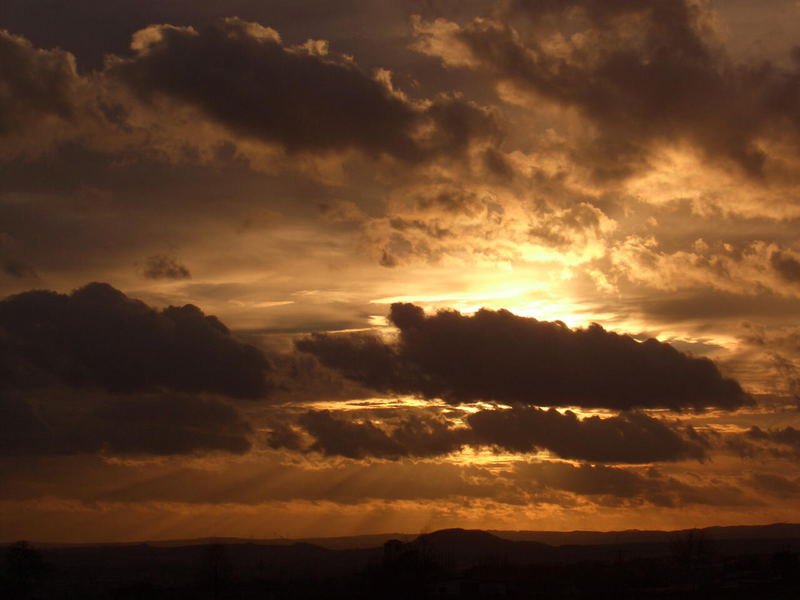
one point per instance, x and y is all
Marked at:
(25, 569)
(216, 572)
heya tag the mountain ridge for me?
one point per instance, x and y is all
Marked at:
(778, 530)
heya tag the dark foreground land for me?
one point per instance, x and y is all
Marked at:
(734, 562)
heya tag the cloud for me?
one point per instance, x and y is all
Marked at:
(362, 357)
(748, 268)
(36, 85)
(775, 485)
(302, 98)
(781, 442)
(10, 262)
(786, 265)
(43, 98)
(98, 337)
(60, 422)
(498, 356)
(584, 479)
(160, 266)
(643, 74)
(332, 435)
(627, 438)
(475, 220)
(608, 485)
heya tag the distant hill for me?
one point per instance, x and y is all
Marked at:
(459, 548)
(774, 531)
(333, 543)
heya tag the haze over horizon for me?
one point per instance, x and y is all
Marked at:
(273, 268)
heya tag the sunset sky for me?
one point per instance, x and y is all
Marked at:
(291, 268)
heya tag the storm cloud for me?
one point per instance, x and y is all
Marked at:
(98, 337)
(301, 97)
(498, 356)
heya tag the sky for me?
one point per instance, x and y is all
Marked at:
(272, 268)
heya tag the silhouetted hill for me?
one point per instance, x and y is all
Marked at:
(460, 548)
(774, 531)
(334, 543)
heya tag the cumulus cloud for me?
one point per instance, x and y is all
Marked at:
(498, 356)
(98, 337)
(60, 422)
(43, 98)
(303, 98)
(642, 73)
(37, 84)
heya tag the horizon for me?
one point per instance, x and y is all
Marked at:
(407, 537)
(290, 269)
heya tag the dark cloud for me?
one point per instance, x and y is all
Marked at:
(160, 266)
(16, 268)
(497, 165)
(451, 200)
(643, 73)
(11, 263)
(362, 357)
(97, 336)
(498, 356)
(635, 487)
(301, 97)
(34, 85)
(787, 266)
(176, 425)
(331, 435)
(627, 438)
(93, 28)
(53, 422)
